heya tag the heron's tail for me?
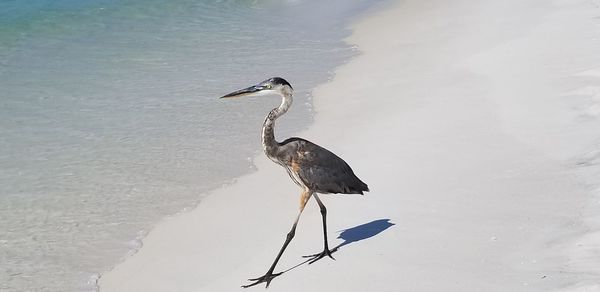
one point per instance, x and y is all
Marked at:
(363, 187)
(359, 187)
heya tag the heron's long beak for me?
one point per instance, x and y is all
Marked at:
(245, 91)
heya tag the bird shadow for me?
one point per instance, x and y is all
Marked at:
(356, 234)
(363, 231)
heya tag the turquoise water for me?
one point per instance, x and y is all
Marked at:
(109, 119)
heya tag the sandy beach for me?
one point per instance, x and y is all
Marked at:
(475, 124)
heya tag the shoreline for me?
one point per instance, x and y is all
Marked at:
(132, 131)
(462, 131)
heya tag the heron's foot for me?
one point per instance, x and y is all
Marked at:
(268, 277)
(315, 257)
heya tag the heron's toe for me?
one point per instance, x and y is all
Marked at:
(267, 278)
(315, 257)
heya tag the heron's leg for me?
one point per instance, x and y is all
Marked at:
(270, 275)
(326, 251)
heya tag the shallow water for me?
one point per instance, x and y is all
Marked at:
(109, 119)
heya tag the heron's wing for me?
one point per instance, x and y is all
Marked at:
(320, 169)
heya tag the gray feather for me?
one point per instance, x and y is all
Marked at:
(320, 169)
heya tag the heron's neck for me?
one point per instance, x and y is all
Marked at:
(268, 134)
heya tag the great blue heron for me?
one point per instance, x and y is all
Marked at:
(312, 167)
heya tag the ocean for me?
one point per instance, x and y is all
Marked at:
(110, 118)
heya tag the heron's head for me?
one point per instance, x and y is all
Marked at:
(275, 85)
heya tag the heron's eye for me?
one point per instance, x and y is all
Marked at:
(269, 86)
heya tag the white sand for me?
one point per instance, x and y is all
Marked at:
(476, 125)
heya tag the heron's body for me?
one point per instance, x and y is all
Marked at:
(305, 163)
(312, 167)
